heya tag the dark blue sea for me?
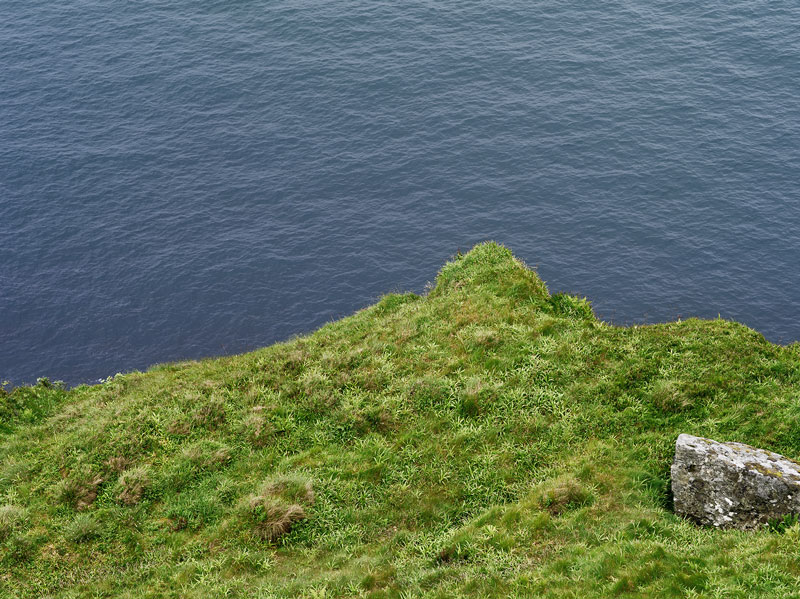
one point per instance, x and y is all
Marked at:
(191, 178)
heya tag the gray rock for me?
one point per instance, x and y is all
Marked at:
(732, 485)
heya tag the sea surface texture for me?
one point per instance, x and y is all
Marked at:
(190, 178)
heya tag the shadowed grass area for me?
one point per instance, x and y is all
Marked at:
(486, 440)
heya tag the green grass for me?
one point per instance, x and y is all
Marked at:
(485, 440)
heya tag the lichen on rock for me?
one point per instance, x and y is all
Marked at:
(733, 485)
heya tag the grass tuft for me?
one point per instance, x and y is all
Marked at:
(132, 485)
(562, 494)
(83, 528)
(80, 488)
(278, 506)
(13, 518)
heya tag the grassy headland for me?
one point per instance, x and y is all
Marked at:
(486, 440)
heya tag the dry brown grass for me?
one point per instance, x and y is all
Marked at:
(179, 427)
(278, 506)
(207, 457)
(290, 488)
(562, 494)
(117, 463)
(258, 429)
(210, 415)
(132, 486)
(275, 519)
(80, 490)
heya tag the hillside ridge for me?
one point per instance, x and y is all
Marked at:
(488, 439)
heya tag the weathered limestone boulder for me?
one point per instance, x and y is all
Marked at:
(732, 485)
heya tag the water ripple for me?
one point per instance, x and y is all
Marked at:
(180, 179)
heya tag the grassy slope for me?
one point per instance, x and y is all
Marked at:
(485, 440)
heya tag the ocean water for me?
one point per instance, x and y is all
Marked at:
(192, 178)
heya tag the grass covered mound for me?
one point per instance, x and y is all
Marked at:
(486, 440)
